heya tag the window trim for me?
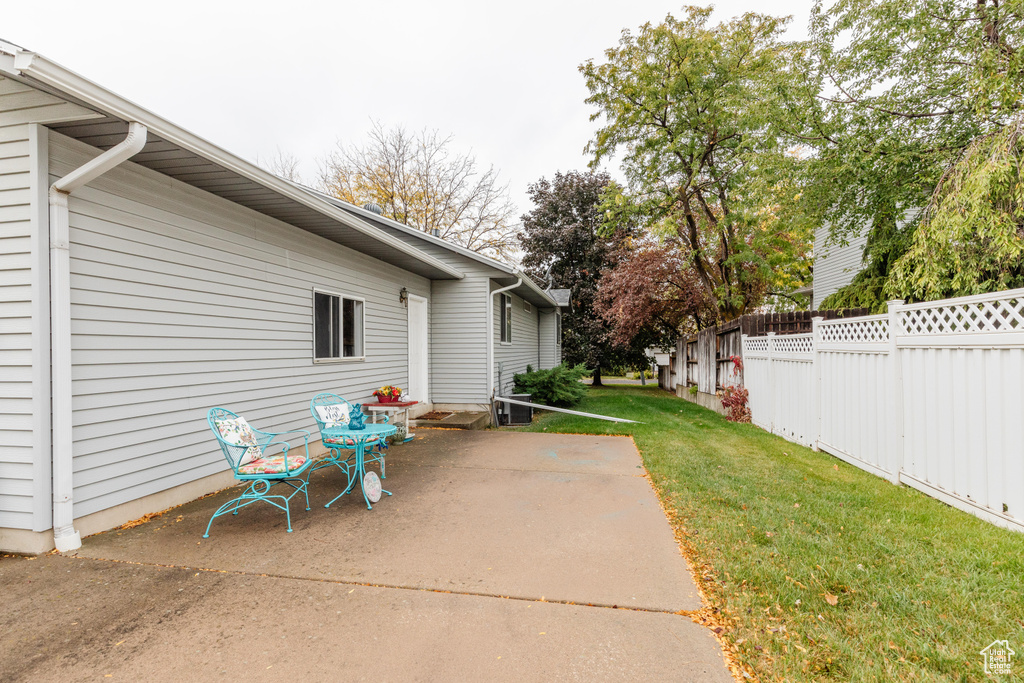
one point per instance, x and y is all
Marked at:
(505, 324)
(341, 334)
(558, 329)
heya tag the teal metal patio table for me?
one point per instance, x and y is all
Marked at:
(358, 437)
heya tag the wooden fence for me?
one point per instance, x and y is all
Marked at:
(703, 359)
(930, 395)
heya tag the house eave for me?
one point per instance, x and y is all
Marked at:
(342, 227)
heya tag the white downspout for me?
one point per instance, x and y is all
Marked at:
(65, 537)
(490, 334)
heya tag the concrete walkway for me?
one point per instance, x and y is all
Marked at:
(501, 556)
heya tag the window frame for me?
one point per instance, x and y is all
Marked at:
(505, 326)
(361, 342)
(558, 329)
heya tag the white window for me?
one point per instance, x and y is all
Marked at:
(506, 318)
(558, 329)
(337, 327)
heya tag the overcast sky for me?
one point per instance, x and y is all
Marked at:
(296, 75)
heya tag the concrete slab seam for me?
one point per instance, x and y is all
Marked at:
(683, 613)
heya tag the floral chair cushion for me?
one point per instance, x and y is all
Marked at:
(237, 432)
(349, 441)
(334, 415)
(274, 464)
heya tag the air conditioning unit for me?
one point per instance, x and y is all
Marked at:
(519, 415)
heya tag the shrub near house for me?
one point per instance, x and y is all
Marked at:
(560, 386)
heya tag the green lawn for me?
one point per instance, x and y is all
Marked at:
(778, 532)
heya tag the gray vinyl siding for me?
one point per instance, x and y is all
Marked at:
(513, 358)
(182, 301)
(834, 264)
(550, 346)
(458, 352)
(16, 382)
(25, 500)
(458, 332)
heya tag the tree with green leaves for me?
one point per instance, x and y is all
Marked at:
(563, 246)
(901, 91)
(971, 237)
(689, 110)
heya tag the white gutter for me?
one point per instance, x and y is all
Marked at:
(65, 537)
(37, 68)
(490, 333)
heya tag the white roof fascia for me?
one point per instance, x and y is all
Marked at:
(444, 244)
(34, 66)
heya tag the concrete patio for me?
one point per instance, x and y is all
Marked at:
(501, 556)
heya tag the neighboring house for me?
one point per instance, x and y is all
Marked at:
(835, 264)
(180, 277)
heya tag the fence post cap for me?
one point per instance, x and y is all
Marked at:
(892, 303)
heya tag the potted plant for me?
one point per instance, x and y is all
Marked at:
(388, 394)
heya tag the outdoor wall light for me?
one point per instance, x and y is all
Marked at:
(403, 296)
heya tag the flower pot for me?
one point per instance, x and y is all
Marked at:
(388, 399)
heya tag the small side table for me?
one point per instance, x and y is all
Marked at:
(394, 408)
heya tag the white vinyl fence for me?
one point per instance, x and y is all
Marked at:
(930, 395)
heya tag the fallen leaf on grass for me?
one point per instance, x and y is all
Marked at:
(831, 599)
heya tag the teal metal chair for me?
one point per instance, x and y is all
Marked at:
(342, 451)
(263, 471)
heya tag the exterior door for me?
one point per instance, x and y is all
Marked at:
(419, 389)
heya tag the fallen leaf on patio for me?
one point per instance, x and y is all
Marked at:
(543, 633)
(116, 644)
(831, 599)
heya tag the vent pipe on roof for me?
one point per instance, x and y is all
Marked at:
(373, 208)
(65, 537)
(436, 232)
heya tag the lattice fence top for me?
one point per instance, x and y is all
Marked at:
(998, 315)
(793, 343)
(756, 344)
(856, 331)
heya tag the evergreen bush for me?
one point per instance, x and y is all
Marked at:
(560, 386)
